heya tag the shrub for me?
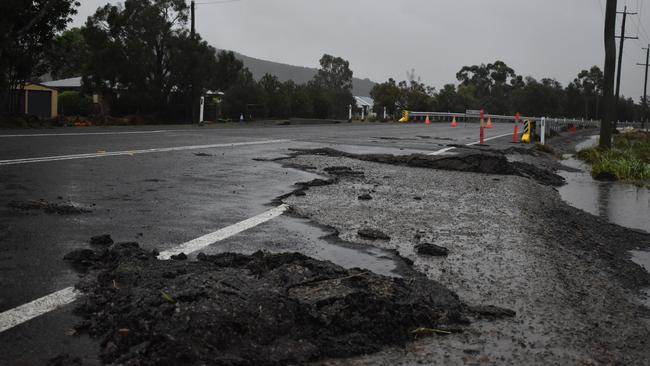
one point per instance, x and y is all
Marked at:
(72, 103)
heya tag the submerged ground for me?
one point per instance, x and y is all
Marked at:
(529, 279)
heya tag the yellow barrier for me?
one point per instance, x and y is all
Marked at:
(405, 117)
(527, 136)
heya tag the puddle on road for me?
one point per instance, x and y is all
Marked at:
(623, 204)
(291, 234)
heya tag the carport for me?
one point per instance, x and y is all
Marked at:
(38, 100)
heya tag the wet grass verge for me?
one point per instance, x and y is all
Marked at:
(627, 161)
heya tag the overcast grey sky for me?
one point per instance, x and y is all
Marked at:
(385, 38)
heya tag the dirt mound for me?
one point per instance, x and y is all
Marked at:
(475, 162)
(262, 309)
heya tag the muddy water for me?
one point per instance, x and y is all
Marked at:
(623, 204)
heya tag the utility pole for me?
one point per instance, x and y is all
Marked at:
(645, 86)
(192, 30)
(622, 37)
(193, 98)
(609, 107)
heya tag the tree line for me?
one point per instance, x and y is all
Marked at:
(142, 58)
(497, 88)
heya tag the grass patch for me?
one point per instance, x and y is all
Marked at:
(627, 161)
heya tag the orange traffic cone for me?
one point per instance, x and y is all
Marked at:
(453, 122)
(489, 124)
(427, 121)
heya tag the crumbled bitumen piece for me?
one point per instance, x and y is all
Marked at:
(101, 240)
(343, 171)
(65, 359)
(202, 154)
(316, 183)
(51, 208)
(82, 258)
(492, 311)
(179, 257)
(260, 309)
(480, 161)
(431, 249)
(373, 234)
(365, 197)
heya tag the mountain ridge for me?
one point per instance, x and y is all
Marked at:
(299, 74)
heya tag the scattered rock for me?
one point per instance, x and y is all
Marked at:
(261, 309)
(373, 234)
(417, 198)
(300, 193)
(105, 240)
(202, 154)
(431, 249)
(492, 311)
(179, 257)
(365, 197)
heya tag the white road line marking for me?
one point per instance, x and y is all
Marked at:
(89, 133)
(219, 235)
(442, 151)
(38, 307)
(133, 152)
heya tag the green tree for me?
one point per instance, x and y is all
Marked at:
(67, 55)
(26, 30)
(334, 79)
(386, 95)
(134, 47)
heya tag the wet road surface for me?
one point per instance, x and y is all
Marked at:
(165, 197)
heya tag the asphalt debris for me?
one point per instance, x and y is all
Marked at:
(431, 250)
(484, 161)
(373, 234)
(105, 240)
(50, 208)
(259, 309)
(365, 197)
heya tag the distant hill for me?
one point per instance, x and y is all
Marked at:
(299, 74)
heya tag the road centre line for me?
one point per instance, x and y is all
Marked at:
(134, 152)
(23, 313)
(447, 149)
(89, 133)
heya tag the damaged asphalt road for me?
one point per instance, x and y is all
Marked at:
(509, 241)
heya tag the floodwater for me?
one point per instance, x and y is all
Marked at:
(623, 204)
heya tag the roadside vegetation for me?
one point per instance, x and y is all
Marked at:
(627, 161)
(142, 60)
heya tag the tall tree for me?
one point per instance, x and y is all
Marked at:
(131, 47)
(26, 30)
(386, 95)
(335, 79)
(67, 55)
